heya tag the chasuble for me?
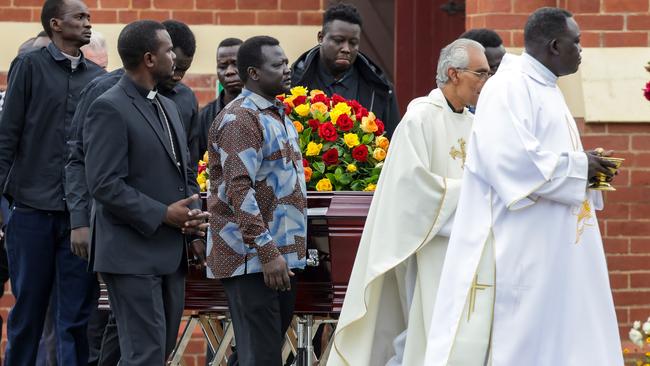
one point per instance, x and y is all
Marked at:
(387, 310)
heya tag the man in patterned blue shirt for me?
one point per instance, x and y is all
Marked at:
(258, 204)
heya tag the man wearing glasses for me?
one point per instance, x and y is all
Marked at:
(404, 241)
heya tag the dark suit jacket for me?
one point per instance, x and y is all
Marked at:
(132, 176)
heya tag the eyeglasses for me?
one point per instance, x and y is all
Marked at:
(483, 75)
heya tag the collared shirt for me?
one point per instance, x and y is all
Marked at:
(76, 188)
(347, 86)
(188, 106)
(42, 96)
(258, 196)
(207, 115)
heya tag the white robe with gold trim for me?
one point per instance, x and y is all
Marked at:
(545, 299)
(393, 283)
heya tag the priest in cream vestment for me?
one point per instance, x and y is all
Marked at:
(525, 280)
(390, 297)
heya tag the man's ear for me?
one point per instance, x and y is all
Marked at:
(553, 47)
(452, 74)
(319, 37)
(252, 73)
(54, 25)
(149, 59)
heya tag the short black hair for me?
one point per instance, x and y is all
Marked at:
(250, 54)
(486, 37)
(545, 24)
(51, 9)
(344, 12)
(136, 39)
(229, 42)
(182, 36)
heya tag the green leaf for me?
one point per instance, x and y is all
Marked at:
(338, 172)
(367, 138)
(331, 177)
(357, 185)
(320, 166)
(344, 179)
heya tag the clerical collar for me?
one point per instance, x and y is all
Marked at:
(539, 69)
(146, 93)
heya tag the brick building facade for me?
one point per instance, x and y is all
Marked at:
(618, 25)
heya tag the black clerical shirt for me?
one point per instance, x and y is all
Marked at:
(42, 96)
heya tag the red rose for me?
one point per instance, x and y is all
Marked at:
(320, 98)
(360, 153)
(380, 127)
(345, 123)
(305, 163)
(360, 113)
(280, 98)
(287, 109)
(337, 99)
(299, 100)
(331, 156)
(327, 132)
(355, 105)
(314, 124)
(646, 91)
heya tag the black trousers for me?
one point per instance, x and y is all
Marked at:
(148, 311)
(260, 317)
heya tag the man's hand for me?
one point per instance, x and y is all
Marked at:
(277, 274)
(177, 212)
(197, 224)
(599, 165)
(2, 224)
(197, 250)
(79, 241)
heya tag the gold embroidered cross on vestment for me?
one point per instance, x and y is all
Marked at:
(472, 295)
(460, 152)
(584, 216)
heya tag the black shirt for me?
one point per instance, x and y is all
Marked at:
(188, 107)
(76, 188)
(42, 96)
(207, 115)
(347, 86)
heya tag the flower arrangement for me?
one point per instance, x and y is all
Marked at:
(640, 335)
(342, 143)
(203, 173)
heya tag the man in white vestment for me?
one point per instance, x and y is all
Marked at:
(390, 297)
(525, 280)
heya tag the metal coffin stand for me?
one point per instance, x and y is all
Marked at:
(335, 225)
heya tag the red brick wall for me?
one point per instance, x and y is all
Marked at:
(226, 12)
(604, 23)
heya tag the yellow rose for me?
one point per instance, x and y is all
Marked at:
(201, 179)
(289, 100)
(351, 168)
(308, 173)
(368, 125)
(343, 107)
(324, 185)
(370, 187)
(319, 107)
(299, 127)
(334, 115)
(382, 142)
(205, 157)
(379, 154)
(315, 92)
(302, 110)
(351, 139)
(313, 149)
(299, 91)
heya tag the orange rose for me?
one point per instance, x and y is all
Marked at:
(308, 173)
(382, 141)
(299, 127)
(318, 107)
(379, 154)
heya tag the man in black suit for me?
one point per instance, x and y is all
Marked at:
(138, 171)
